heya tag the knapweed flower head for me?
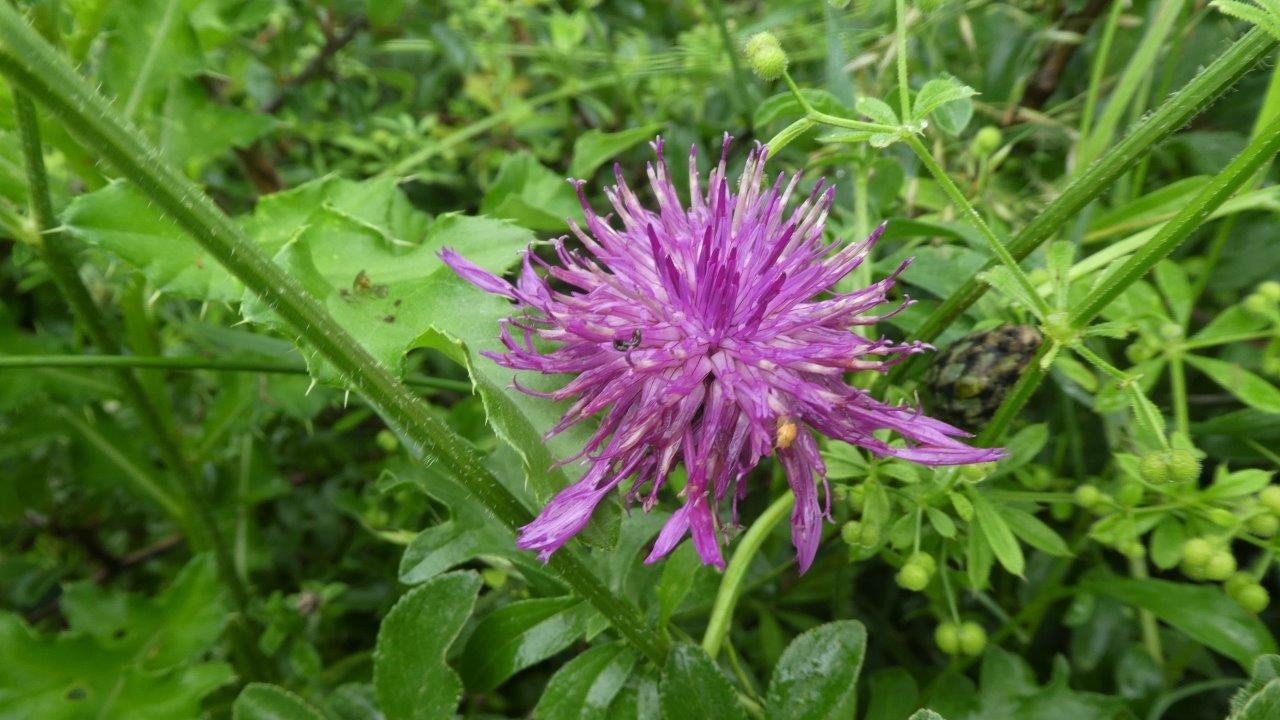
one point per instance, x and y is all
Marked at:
(709, 335)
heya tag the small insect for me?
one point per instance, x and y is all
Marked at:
(970, 379)
(627, 344)
(786, 433)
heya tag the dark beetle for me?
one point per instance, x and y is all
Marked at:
(969, 380)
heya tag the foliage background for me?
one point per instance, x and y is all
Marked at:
(352, 140)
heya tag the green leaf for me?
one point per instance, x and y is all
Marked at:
(1204, 613)
(999, 536)
(876, 110)
(121, 221)
(938, 92)
(594, 148)
(679, 571)
(1173, 283)
(1266, 670)
(1035, 532)
(584, 687)
(530, 195)
(259, 701)
(1002, 280)
(817, 676)
(519, 635)
(150, 44)
(124, 655)
(1227, 325)
(1236, 484)
(1247, 387)
(1166, 543)
(1266, 704)
(410, 676)
(197, 129)
(693, 688)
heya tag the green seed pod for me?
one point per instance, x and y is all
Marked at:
(924, 560)
(1130, 494)
(1183, 466)
(1257, 304)
(1235, 582)
(1265, 525)
(857, 498)
(766, 56)
(851, 532)
(1061, 511)
(1253, 598)
(1197, 551)
(913, 577)
(1270, 498)
(973, 639)
(947, 638)
(1140, 351)
(1154, 468)
(986, 141)
(1220, 566)
(1270, 289)
(1087, 496)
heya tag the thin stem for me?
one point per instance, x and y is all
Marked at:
(731, 583)
(966, 208)
(35, 67)
(741, 89)
(1099, 68)
(1147, 619)
(900, 29)
(193, 362)
(848, 123)
(1173, 114)
(1178, 384)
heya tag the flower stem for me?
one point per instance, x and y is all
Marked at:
(731, 582)
(966, 208)
(1173, 114)
(36, 68)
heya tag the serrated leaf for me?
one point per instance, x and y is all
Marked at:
(259, 701)
(817, 676)
(1247, 387)
(1203, 613)
(938, 92)
(585, 687)
(594, 148)
(998, 534)
(1266, 704)
(410, 676)
(530, 195)
(692, 688)
(519, 635)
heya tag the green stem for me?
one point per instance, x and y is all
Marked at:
(900, 29)
(34, 67)
(731, 583)
(141, 480)
(741, 89)
(1147, 619)
(1174, 113)
(1178, 385)
(848, 123)
(195, 363)
(966, 208)
(1099, 68)
(1143, 408)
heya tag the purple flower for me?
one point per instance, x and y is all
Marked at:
(709, 335)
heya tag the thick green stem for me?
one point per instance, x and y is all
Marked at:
(185, 362)
(731, 583)
(1174, 113)
(904, 90)
(971, 215)
(34, 67)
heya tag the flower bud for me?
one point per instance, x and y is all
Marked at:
(766, 56)
(947, 637)
(1087, 496)
(1235, 582)
(1197, 551)
(924, 560)
(986, 141)
(973, 639)
(1220, 566)
(851, 532)
(1257, 305)
(1129, 494)
(1265, 525)
(1140, 351)
(1171, 331)
(1270, 498)
(912, 577)
(1253, 598)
